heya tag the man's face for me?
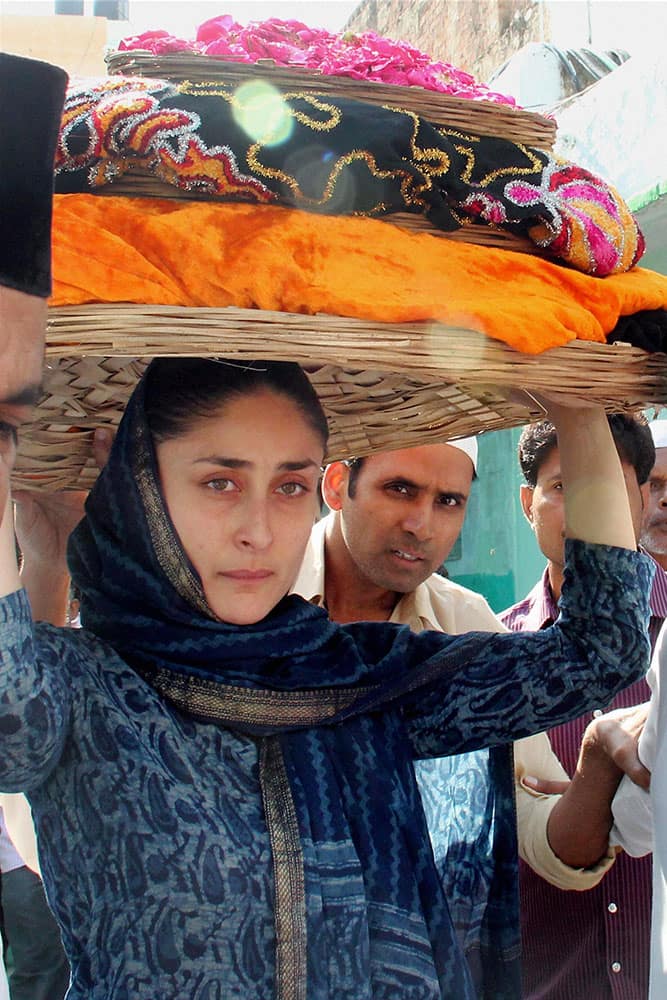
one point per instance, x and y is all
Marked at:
(22, 325)
(406, 513)
(654, 527)
(544, 506)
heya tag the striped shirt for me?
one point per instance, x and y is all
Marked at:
(592, 945)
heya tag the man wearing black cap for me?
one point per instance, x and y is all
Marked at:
(31, 101)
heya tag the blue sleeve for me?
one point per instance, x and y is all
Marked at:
(35, 696)
(505, 687)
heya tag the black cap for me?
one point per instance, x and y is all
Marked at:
(31, 103)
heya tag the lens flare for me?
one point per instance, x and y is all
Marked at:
(260, 110)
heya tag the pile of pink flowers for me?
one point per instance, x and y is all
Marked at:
(365, 56)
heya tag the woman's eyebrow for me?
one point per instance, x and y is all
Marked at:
(241, 463)
(229, 463)
(306, 463)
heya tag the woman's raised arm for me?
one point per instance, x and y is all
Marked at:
(513, 686)
(596, 500)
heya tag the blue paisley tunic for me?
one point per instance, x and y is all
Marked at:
(152, 834)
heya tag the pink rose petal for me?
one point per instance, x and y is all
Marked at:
(366, 56)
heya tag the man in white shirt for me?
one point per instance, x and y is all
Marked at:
(640, 815)
(394, 519)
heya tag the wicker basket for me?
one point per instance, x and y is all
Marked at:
(400, 384)
(479, 117)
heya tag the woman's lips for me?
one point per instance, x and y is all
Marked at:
(247, 574)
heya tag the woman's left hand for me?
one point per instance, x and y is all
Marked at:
(44, 522)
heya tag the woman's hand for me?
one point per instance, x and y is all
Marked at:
(44, 522)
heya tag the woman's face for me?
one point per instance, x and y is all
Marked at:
(241, 490)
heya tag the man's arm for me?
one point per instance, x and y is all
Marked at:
(540, 780)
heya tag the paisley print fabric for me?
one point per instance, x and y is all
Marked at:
(468, 801)
(341, 157)
(157, 826)
(153, 842)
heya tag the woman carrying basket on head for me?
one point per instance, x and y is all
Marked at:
(220, 777)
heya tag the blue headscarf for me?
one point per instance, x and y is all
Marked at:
(356, 888)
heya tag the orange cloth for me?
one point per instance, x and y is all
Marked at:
(168, 252)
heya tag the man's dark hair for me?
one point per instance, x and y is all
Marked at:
(631, 435)
(354, 465)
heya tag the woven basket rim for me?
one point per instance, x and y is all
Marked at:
(422, 383)
(171, 65)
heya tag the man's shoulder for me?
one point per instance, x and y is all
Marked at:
(515, 614)
(457, 608)
(438, 584)
(525, 613)
(658, 597)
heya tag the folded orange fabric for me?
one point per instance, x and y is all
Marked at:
(168, 252)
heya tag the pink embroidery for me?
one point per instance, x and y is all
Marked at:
(586, 223)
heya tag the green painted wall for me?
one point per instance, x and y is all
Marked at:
(497, 554)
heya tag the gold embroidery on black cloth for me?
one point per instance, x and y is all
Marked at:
(435, 162)
(293, 184)
(288, 873)
(432, 163)
(206, 89)
(469, 156)
(227, 703)
(451, 133)
(536, 166)
(213, 90)
(166, 545)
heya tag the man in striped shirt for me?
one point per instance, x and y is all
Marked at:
(594, 944)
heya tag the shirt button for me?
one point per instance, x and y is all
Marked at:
(615, 966)
(597, 713)
(613, 908)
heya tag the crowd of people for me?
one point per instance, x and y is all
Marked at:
(281, 757)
